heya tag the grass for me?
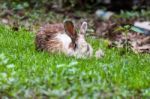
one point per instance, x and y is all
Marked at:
(27, 73)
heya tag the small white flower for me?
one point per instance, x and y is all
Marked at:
(73, 70)
(2, 56)
(10, 66)
(4, 75)
(5, 61)
(83, 73)
(60, 65)
(73, 63)
(11, 80)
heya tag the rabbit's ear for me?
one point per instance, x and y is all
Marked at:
(83, 28)
(69, 28)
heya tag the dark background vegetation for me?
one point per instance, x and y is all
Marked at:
(77, 4)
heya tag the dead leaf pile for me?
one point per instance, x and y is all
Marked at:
(139, 43)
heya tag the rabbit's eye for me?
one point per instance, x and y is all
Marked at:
(73, 45)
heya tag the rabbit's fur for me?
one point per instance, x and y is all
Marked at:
(63, 38)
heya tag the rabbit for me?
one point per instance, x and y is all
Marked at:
(63, 38)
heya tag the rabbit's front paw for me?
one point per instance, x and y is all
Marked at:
(99, 54)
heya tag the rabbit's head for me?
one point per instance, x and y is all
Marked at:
(81, 47)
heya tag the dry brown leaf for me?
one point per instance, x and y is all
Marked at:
(141, 45)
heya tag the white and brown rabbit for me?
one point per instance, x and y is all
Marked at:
(63, 38)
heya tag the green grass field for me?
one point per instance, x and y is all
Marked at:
(27, 73)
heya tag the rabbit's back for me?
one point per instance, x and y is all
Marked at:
(52, 38)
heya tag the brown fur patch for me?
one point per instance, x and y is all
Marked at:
(54, 46)
(44, 37)
(52, 28)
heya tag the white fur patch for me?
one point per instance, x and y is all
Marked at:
(65, 39)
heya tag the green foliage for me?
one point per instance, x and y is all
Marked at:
(38, 4)
(142, 14)
(125, 30)
(26, 73)
(129, 14)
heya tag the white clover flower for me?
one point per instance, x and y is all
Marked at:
(2, 56)
(73, 63)
(5, 61)
(83, 73)
(60, 65)
(4, 75)
(73, 70)
(11, 80)
(10, 66)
